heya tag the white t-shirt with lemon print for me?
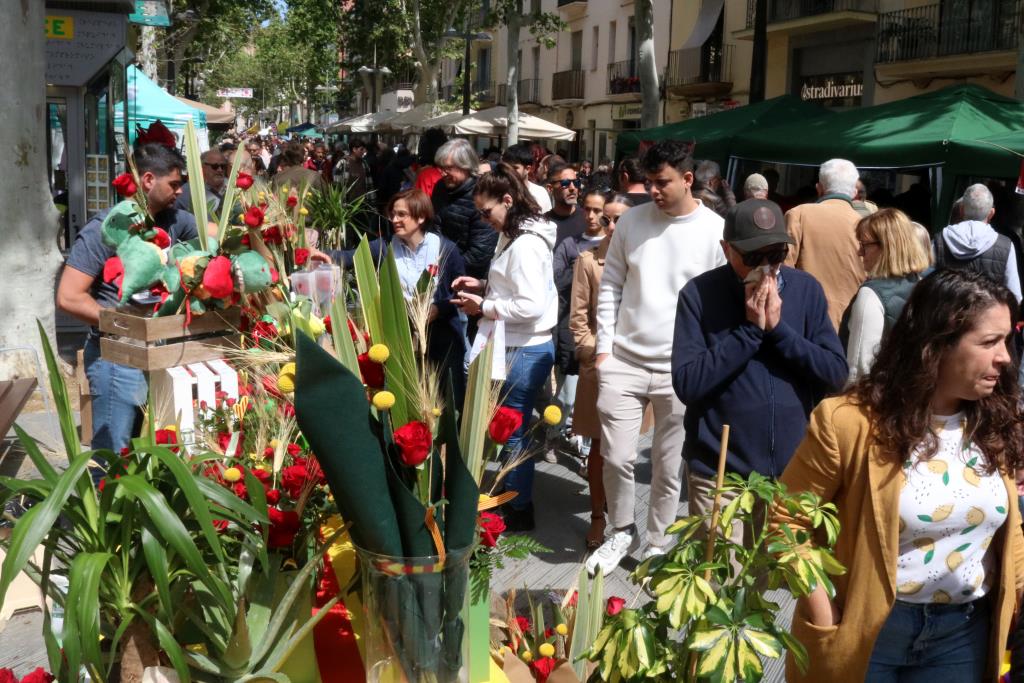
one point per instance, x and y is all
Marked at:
(949, 512)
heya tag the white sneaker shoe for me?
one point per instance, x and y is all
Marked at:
(550, 456)
(653, 551)
(612, 552)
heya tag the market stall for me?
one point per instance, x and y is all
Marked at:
(493, 122)
(149, 103)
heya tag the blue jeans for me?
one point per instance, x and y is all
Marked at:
(118, 395)
(926, 643)
(528, 367)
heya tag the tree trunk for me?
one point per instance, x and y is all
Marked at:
(514, 23)
(147, 52)
(426, 86)
(30, 258)
(650, 94)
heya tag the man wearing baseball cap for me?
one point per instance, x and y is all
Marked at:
(754, 348)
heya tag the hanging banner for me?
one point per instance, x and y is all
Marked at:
(150, 13)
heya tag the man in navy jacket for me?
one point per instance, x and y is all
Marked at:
(754, 348)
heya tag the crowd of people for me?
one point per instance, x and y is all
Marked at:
(850, 353)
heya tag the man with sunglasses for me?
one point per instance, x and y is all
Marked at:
(215, 173)
(754, 348)
(565, 212)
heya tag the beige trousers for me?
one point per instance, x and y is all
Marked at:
(624, 392)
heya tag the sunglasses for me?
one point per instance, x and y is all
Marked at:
(222, 167)
(605, 221)
(774, 257)
(566, 183)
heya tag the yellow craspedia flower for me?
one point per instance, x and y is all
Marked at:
(286, 378)
(303, 211)
(263, 468)
(274, 443)
(383, 400)
(262, 196)
(546, 650)
(436, 412)
(379, 353)
(527, 656)
(171, 428)
(553, 415)
(232, 474)
(562, 629)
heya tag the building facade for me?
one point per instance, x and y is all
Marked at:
(838, 53)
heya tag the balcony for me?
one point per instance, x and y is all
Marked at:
(529, 91)
(572, 9)
(936, 40)
(700, 72)
(567, 85)
(624, 78)
(797, 17)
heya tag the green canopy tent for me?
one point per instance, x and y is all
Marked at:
(998, 156)
(927, 131)
(914, 132)
(148, 103)
(714, 134)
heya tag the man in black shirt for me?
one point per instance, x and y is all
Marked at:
(565, 212)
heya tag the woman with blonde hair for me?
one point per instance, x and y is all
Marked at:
(894, 261)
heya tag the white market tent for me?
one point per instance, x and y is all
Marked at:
(364, 123)
(409, 120)
(443, 121)
(493, 122)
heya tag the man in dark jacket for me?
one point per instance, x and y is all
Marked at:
(455, 214)
(754, 348)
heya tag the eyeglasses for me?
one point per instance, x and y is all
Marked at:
(486, 213)
(448, 170)
(774, 257)
(863, 246)
(222, 167)
(566, 183)
(607, 221)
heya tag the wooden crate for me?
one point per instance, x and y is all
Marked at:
(158, 343)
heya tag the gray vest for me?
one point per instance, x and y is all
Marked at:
(893, 292)
(990, 263)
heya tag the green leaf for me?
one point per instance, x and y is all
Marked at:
(228, 202)
(765, 644)
(369, 289)
(301, 633)
(39, 461)
(963, 547)
(705, 639)
(169, 645)
(928, 556)
(1000, 509)
(36, 523)
(197, 189)
(83, 609)
(796, 648)
(344, 347)
(945, 478)
(969, 529)
(475, 416)
(402, 374)
(171, 530)
(157, 561)
(239, 647)
(749, 663)
(925, 518)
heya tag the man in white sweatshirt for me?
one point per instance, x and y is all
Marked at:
(656, 249)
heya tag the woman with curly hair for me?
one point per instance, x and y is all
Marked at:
(919, 456)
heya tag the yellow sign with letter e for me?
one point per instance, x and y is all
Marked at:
(60, 28)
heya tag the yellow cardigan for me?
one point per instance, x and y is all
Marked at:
(839, 461)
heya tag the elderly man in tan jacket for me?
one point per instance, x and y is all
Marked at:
(825, 237)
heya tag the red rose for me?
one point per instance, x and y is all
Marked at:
(524, 624)
(292, 200)
(614, 606)
(294, 449)
(244, 181)
(574, 600)
(264, 330)
(273, 497)
(373, 373)
(167, 436)
(224, 440)
(7, 676)
(254, 217)
(315, 471)
(284, 524)
(113, 272)
(301, 256)
(548, 632)
(327, 324)
(240, 490)
(40, 675)
(217, 278)
(221, 525)
(263, 477)
(491, 526)
(414, 442)
(294, 479)
(504, 424)
(288, 410)
(161, 238)
(272, 235)
(433, 269)
(124, 185)
(543, 667)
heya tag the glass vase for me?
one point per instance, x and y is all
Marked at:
(415, 630)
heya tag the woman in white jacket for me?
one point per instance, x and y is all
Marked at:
(519, 294)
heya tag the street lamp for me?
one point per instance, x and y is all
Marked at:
(370, 74)
(468, 36)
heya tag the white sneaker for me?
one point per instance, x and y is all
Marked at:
(653, 551)
(612, 552)
(550, 456)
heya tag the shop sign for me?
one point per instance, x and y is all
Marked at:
(79, 44)
(241, 93)
(833, 90)
(60, 28)
(150, 13)
(627, 112)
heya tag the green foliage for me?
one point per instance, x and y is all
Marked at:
(332, 215)
(144, 560)
(486, 561)
(716, 609)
